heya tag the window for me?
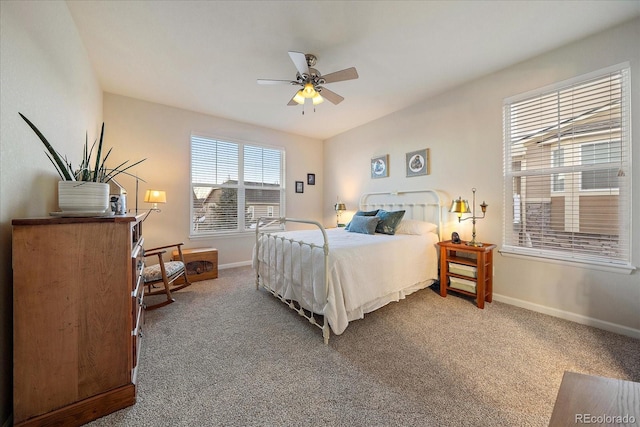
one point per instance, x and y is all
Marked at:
(233, 184)
(600, 153)
(567, 171)
(558, 161)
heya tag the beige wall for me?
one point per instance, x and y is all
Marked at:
(463, 129)
(161, 134)
(45, 74)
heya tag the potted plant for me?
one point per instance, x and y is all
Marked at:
(85, 189)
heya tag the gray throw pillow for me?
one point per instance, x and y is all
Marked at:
(389, 221)
(363, 213)
(364, 224)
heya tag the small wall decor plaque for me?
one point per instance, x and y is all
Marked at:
(311, 179)
(380, 166)
(418, 163)
(299, 187)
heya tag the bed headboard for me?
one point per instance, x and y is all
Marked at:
(423, 205)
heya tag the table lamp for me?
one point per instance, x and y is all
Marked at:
(155, 197)
(339, 208)
(461, 207)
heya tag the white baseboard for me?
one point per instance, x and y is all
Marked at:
(574, 317)
(234, 264)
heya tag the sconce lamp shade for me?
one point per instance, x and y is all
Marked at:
(340, 207)
(155, 196)
(460, 207)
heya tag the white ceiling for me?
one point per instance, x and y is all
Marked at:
(205, 56)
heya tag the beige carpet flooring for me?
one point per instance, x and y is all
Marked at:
(226, 354)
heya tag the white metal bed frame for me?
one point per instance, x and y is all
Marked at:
(411, 211)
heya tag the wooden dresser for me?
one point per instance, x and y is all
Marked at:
(77, 295)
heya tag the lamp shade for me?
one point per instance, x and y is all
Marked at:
(299, 98)
(317, 99)
(459, 206)
(155, 196)
(340, 207)
(308, 91)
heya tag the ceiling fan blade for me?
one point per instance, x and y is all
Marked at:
(292, 102)
(338, 76)
(300, 61)
(276, 82)
(331, 96)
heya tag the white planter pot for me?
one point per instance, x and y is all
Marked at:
(83, 197)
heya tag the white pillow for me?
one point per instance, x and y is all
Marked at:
(413, 226)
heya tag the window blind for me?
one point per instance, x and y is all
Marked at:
(567, 169)
(223, 203)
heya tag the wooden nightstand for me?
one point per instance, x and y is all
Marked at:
(469, 275)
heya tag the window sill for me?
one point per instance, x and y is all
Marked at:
(226, 235)
(543, 257)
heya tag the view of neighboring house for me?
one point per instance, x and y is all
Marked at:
(566, 160)
(215, 208)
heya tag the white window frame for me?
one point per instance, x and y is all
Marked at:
(513, 242)
(240, 186)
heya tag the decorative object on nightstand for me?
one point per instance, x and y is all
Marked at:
(461, 207)
(339, 208)
(155, 197)
(469, 275)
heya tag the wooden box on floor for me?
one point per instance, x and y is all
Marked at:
(202, 263)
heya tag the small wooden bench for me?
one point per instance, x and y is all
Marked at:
(202, 263)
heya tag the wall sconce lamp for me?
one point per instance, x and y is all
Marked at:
(461, 207)
(155, 197)
(339, 208)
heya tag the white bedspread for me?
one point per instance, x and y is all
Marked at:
(366, 272)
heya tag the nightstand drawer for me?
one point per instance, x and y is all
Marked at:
(462, 284)
(463, 270)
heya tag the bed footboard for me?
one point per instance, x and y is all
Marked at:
(278, 270)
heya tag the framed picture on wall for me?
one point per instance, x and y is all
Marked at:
(311, 179)
(380, 166)
(418, 163)
(299, 187)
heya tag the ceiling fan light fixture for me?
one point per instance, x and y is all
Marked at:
(317, 99)
(299, 98)
(309, 91)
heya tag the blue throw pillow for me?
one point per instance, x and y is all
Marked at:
(363, 213)
(364, 224)
(389, 221)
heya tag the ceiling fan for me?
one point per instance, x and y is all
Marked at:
(311, 81)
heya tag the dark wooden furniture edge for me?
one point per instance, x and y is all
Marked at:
(74, 220)
(86, 410)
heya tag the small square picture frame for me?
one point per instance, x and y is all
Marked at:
(311, 179)
(418, 162)
(299, 187)
(380, 166)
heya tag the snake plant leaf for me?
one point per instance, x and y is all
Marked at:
(60, 166)
(117, 171)
(100, 172)
(97, 167)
